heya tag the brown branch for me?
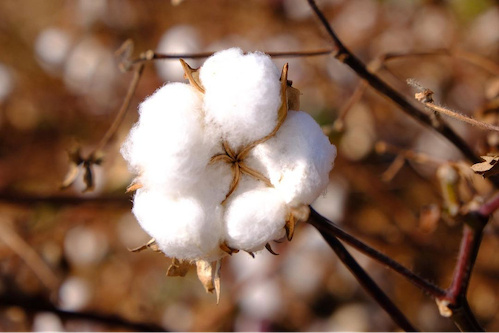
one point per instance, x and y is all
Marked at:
(348, 58)
(471, 58)
(37, 303)
(320, 221)
(364, 279)
(461, 117)
(28, 199)
(454, 303)
(203, 55)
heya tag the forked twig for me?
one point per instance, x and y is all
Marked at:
(362, 277)
(425, 96)
(345, 56)
(329, 227)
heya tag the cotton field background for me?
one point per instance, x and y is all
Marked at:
(65, 254)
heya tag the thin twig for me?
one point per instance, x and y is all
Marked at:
(28, 255)
(27, 199)
(121, 113)
(365, 280)
(461, 117)
(320, 221)
(471, 58)
(354, 99)
(203, 55)
(347, 57)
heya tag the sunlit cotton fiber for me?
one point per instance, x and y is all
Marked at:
(198, 195)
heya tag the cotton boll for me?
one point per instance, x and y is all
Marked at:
(298, 159)
(166, 147)
(254, 218)
(242, 95)
(184, 227)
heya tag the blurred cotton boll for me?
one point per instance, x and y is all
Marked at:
(360, 133)
(433, 28)
(352, 317)
(180, 39)
(84, 246)
(74, 294)
(91, 10)
(47, 322)
(246, 268)
(356, 20)
(178, 317)
(6, 82)
(261, 299)
(51, 47)
(285, 43)
(91, 70)
(297, 9)
(130, 233)
(484, 32)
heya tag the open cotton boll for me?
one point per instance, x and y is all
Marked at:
(167, 146)
(254, 218)
(183, 227)
(242, 95)
(298, 159)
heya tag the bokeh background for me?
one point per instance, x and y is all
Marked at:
(64, 259)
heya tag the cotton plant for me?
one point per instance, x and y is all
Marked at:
(224, 163)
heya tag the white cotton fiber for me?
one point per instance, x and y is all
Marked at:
(298, 159)
(254, 218)
(242, 95)
(184, 227)
(178, 150)
(166, 147)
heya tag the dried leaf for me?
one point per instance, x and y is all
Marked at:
(283, 110)
(216, 279)
(73, 172)
(178, 268)
(134, 186)
(206, 274)
(149, 245)
(269, 248)
(124, 54)
(227, 249)
(192, 75)
(290, 227)
(488, 168)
